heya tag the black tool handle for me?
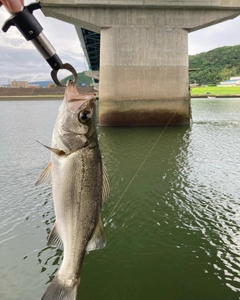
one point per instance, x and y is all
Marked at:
(30, 28)
(26, 23)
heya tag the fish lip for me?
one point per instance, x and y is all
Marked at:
(74, 100)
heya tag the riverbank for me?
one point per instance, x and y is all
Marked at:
(38, 93)
(212, 96)
(34, 97)
(216, 91)
(57, 93)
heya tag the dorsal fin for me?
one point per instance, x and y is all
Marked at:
(105, 184)
(54, 238)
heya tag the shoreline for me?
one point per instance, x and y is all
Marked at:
(60, 97)
(38, 93)
(211, 96)
(32, 97)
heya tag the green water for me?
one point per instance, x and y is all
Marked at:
(172, 220)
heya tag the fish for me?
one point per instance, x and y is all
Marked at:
(79, 186)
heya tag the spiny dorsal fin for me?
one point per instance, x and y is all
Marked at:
(105, 186)
(54, 238)
(46, 176)
(98, 240)
(54, 150)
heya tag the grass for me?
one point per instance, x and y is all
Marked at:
(215, 90)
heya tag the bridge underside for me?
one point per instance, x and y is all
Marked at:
(143, 57)
(90, 42)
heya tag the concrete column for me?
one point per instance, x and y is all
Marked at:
(144, 76)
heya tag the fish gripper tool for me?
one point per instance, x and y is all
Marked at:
(31, 29)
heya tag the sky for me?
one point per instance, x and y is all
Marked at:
(20, 60)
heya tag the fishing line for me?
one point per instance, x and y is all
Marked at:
(134, 176)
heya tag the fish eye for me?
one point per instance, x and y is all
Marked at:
(84, 116)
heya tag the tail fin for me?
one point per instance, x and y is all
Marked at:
(60, 291)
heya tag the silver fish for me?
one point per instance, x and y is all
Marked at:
(79, 185)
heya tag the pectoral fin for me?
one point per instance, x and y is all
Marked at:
(54, 150)
(46, 176)
(54, 238)
(98, 240)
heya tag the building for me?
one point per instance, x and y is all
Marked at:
(19, 84)
(35, 85)
(233, 81)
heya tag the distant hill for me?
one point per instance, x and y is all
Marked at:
(82, 79)
(42, 83)
(215, 65)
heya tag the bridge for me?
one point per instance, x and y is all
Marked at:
(143, 54)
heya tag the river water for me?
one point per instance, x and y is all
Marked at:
(172, 220)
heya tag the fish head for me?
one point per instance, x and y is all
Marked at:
(75, 127)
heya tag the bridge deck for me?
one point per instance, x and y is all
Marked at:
(148, 3)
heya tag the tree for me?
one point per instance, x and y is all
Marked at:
(215, 66)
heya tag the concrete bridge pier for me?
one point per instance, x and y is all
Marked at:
(144, 76)
(143, 53)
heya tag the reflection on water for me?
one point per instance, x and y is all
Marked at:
(173, 226)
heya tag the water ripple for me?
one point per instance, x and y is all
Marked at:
(208, 197)
(174, 232)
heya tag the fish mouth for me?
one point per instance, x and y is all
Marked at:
(74, 99)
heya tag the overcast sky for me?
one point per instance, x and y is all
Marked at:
(21, 61)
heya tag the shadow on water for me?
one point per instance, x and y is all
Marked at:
(174, 234)
(133, 226)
